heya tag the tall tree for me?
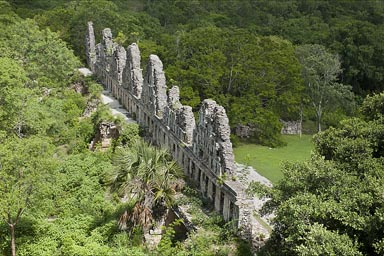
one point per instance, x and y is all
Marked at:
(320, 70)
(23, 165)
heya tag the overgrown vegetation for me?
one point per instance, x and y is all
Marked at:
(262, 60)
(59, 198)
(243, 54)
(332, 204)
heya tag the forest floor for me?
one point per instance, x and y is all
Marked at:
(268, 161)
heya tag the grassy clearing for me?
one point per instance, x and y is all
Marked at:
(268, 161)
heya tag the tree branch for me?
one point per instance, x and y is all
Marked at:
(19, 213)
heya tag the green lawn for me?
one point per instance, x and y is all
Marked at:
(267, 161)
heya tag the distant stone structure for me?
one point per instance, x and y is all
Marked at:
(243, 131)
(203, 148)
(291, 127)
(105, 133)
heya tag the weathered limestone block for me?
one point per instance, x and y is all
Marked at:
(107, 41)
(134, 56)
(206, 111)
(91, 107)
(221, 123)
(90, 47)
(155, 89)
(179, 118)
(132, 74)
(99, 55)
(212, 138)
(174, 97)
(181, 121)
(104, 53)
(119, 63)
(223, 132)
(186, 121)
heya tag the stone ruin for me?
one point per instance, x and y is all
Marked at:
(105, 133)
(291, 127)
(203, 148)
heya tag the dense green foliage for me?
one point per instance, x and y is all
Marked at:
(353, 29)
(333, 204)
(148, 178)
(240, 53)
(221, 64)
(256, 58)
(55, 193)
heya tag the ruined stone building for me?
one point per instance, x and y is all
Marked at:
(201, 147)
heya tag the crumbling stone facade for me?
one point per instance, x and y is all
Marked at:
(203, 148)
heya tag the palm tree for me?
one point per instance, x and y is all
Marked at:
(148, 177)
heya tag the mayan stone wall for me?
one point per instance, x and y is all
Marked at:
(203, 148)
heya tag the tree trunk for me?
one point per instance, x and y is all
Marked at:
(12, 225)
(13, 239)
(318, 122)
(301, 120)
(319, 113)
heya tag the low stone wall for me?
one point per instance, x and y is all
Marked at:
(202, 148)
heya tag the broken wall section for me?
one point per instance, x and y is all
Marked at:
(154, 95)
(133, 74)
(118, 63)
(179, 118)
(211, 140)
(104, 53)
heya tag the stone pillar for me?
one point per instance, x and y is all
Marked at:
(226, 208)
(90, 47)
(202, 183)
(218, 199)
(107, 41)
(192, 168)
(176, 157)
(210, 189)
(121, 59)
(155, 89)
(186, 121)
(132, 74)
(223, 131)
(197, 174)
(186, 164)
(174, 97)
